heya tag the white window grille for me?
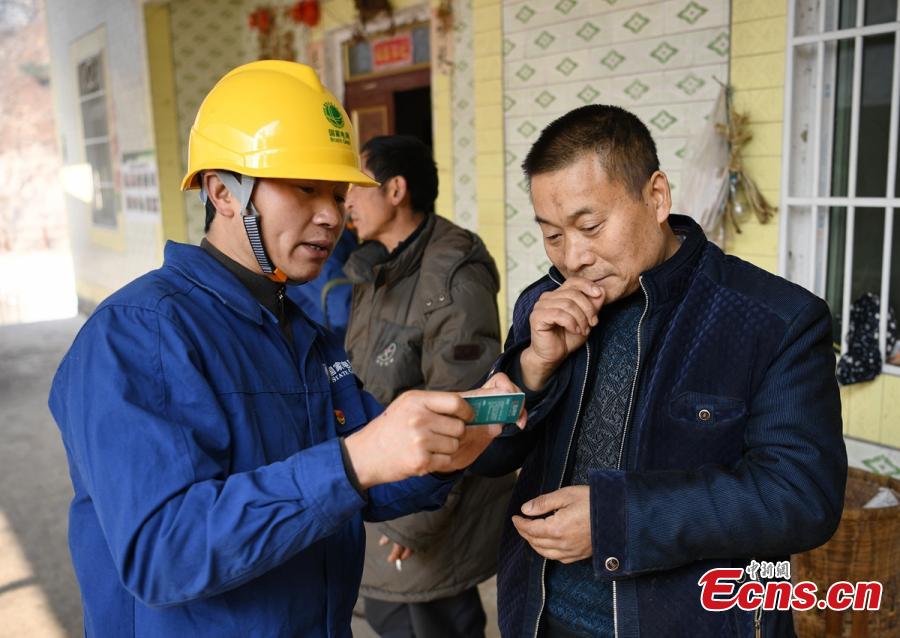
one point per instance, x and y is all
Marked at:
(840, 177)
(92, 102)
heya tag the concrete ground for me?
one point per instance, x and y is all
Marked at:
(38, 593)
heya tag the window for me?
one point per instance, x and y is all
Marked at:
(92, 101)
(840, 231)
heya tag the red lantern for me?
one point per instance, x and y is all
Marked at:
(305, 12)
(310, 10)
(297, 12)
(261, 19)
(264, 20)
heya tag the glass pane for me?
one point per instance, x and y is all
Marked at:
(897, 175)
(875, 116)
(104, 212)
(868, 238)
(834, 283)
(847, 14)
(842, 100)
(93, 116)
(868, 245)
(359, 58)
(90, 75)
(894, 287)
(101, 165)
(421, 45)
(880, 11)
(828, 106)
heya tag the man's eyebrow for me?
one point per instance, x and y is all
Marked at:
(571, 218)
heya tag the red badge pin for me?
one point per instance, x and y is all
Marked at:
(339, 415)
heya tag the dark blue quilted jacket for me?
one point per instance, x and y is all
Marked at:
(759, 476)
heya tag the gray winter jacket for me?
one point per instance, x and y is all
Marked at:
(426, 317)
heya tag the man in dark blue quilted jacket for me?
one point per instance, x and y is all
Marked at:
(683, 409)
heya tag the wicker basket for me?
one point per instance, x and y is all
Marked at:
(865, 547)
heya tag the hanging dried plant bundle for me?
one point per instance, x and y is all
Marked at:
(742, 189)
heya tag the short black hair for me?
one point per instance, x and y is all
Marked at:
(210, 214)
(620, 140)
(388, 156)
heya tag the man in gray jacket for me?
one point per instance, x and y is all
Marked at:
(424, 315)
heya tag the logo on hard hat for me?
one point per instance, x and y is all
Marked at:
(333, 115)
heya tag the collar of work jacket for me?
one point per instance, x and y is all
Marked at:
(202, 270)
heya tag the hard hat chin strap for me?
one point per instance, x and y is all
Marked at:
(241, 186)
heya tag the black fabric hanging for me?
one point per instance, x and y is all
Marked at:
(863, 361)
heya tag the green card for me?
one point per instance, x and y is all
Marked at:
(496, 408)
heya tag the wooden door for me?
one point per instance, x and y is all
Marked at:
(372, 102)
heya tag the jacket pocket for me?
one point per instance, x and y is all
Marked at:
(702, 428)
(707, 410)
(396, 361)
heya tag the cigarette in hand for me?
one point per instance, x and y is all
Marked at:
(399, 565)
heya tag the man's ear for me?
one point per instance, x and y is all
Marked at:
(226, 204)
(660, 196)
(397, 189)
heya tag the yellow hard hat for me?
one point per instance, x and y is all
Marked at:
(273, 119)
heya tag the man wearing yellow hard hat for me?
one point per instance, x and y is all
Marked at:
(222, 454)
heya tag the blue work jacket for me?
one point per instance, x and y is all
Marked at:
(211, 498)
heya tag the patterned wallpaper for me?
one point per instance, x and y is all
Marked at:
(465, 209)
(203, 54)
(660, 60)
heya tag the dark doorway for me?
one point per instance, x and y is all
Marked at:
(412, 113)
(390, 104)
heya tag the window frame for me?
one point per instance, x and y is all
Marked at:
(803, 251)
(94, 45)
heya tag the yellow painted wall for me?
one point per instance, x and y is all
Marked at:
(487, 20)
(442, 139)
(871, 410)
(757, 74)
(442, 133)
(157, 22)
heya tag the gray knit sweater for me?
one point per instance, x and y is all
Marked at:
(574, 597)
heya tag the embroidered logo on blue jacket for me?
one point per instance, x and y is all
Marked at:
(338, 370)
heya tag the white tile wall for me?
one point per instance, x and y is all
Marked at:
(465, 210)
(873, 458)
(660, 60)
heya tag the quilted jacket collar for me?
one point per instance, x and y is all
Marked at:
(669, 280)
